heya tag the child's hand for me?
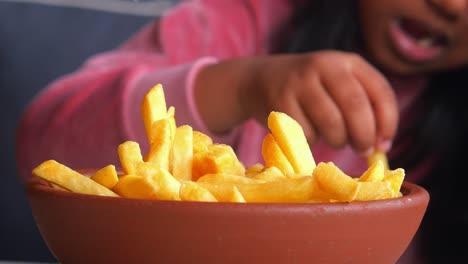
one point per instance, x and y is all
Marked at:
(334, 95)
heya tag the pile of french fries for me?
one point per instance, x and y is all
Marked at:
(186, 165)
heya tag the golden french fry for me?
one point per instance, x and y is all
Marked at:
(166, 186)
(161, 144)
(290, 137)
(324, 200)
(373, 191)
(375, 173)
(170, 117)
(378, 155)
(172, 121)
(106, 176)
(200, 142)
(219, 158)
(286, 191)
(270, 174)
(182, 153)
(67, 178)
(135, 186)
(129, 155)
(334, 181)
(237, 196)
(58, 187)
(274, 156)
(395, 178)
(190, 191)
(221, 191)
(254, 169)
(153, 108)
(227, 178)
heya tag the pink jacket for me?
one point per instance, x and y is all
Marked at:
(80, 119)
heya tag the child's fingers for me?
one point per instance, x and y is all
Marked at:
(354, 104)
(383, 101)
(322, 111)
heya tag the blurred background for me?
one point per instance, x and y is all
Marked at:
(41, 40)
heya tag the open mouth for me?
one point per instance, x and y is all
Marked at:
(417, 41)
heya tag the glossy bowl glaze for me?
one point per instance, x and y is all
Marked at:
(93, 229)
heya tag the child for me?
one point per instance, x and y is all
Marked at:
(357, 75)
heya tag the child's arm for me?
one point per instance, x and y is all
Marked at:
(81, 118)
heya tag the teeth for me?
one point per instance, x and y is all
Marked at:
(426, 42)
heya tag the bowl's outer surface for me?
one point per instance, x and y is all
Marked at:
(92, 229)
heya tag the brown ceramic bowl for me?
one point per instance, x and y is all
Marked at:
(92, 229)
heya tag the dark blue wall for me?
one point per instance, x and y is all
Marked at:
(38, 44)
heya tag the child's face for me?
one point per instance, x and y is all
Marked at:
(415, 36)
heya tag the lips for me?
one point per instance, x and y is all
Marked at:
(416, 41)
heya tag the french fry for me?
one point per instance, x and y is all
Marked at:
(166, 186)
(270, 174)
(395, 178)
(286, 191)
(227, 178)
(292, 141)
(334, 181)
(274, 156)
(182, 153)
(106, 176)
(161, 143)
(129, 155)
(190, 191)
(58, 187)
(201, 142)
(221, 191)
(322, 201)
(378, 155)
(373, 191)
(136, 187)
(153, 108)
(237, 196)
(375, 173)
(170, 117)
(219, 158)
(172, 121)
(254, 169)
(70, 179)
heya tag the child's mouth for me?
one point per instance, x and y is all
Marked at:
(416, 41)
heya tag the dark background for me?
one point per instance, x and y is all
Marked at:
(39, 43)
